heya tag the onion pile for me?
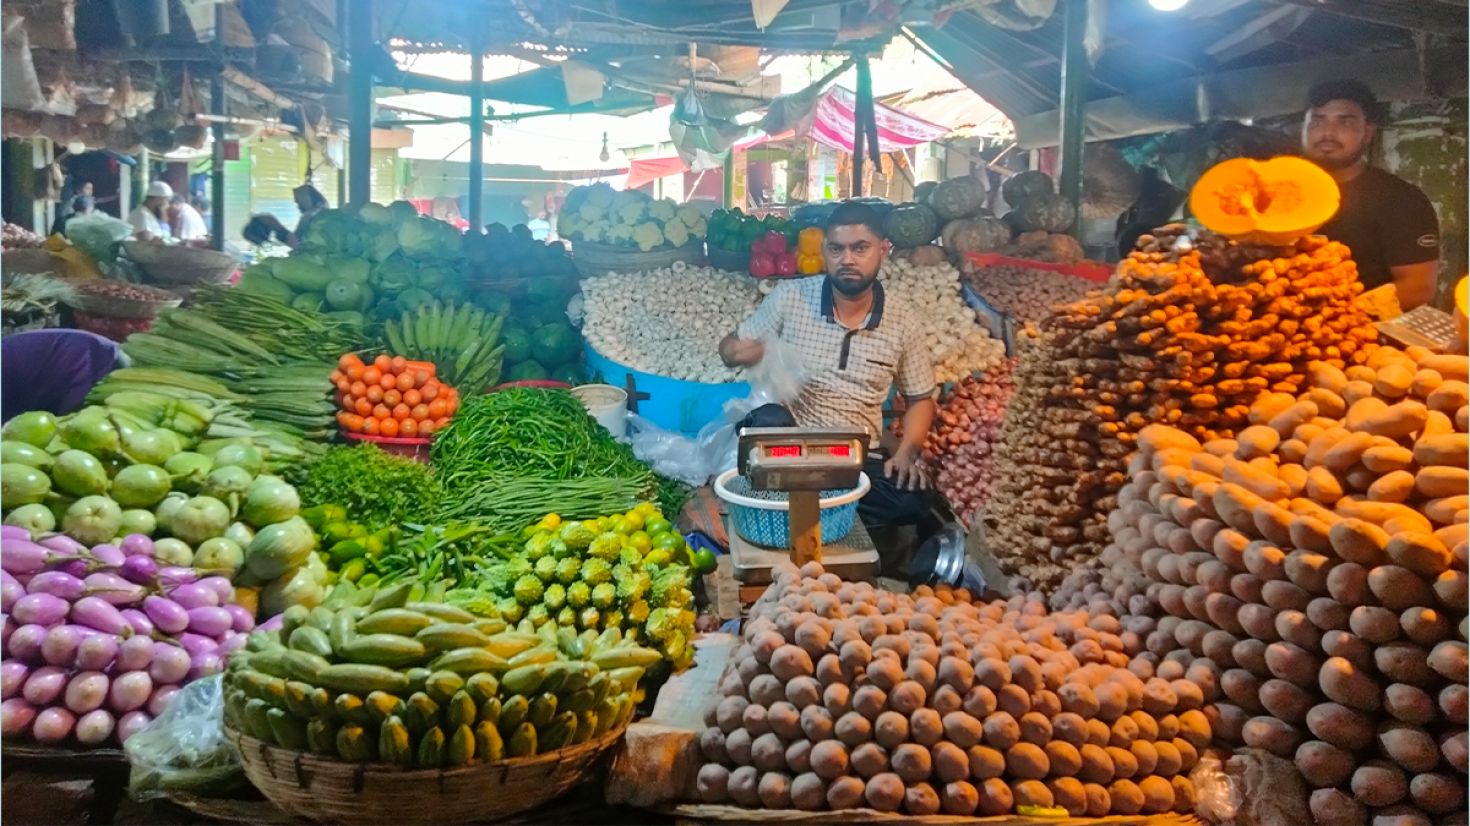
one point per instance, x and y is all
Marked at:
(668, 321)
(1025, 293)
(17, 237)
(956, 341)
(959, 452)
(98, 641)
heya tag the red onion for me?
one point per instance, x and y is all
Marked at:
(95, 727)
(56, 584)
(135, 653)
(16, 717)
(97, 652)
(53, 725)
(40, 609)
(130, 691)
(87, 691)
(162, 696)
(44, 685)
(132, 723)
(137, 544)
(25, 643)
(95, 612)
(13, 674)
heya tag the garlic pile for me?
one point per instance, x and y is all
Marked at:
(668, 321)
(957, 342)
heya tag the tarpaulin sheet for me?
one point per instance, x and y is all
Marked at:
(832, 124)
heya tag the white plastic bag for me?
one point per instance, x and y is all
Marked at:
(776, 379)
(185, 747)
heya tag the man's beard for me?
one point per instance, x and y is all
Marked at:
(850, 289)
(1337, 162)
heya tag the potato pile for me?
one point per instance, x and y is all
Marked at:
(1318, 562)
(1028, 294)
(845, 696)
(960, 451)
(1186, 333)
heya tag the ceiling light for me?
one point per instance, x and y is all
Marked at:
(1168, 5)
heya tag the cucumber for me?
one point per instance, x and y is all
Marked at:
(353, 744)
(508, 644)
(298, 699)
(418, 678)
(383, 649)
(626, 657)
(522, 741)
(443, 685)
(524, 680)
(363, 679)
(581, 700)
(488, 743)
(446, 636)
(482, 687)
(393, 596)
(321, 737)
(607, 713)
(320, 618)
(400, 621)
(257, 725)
(394, 743)
(543, 710)
(289, 731)
(490, 625)
(343, 631)
(381, 705)
(311, 640)
(350, 708)
(545, 653)
(431, 749)
(306, 667)
(322, 704)
(441, 612)
(469, 661)
(627, 678)
(235, 709)
(460, 710)
(461, 747)
(291, 619)
(512, 713)
(271, 662)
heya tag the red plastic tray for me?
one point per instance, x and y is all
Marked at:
(416, 448)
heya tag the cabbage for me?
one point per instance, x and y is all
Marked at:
(377, 214)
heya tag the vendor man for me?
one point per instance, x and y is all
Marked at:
(1386, 221)
(148, 218)
(855, 345)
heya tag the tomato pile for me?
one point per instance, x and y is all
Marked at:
(392, 396)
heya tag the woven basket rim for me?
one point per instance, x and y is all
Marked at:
(107, 306)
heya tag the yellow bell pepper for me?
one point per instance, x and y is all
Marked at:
(808, 264)
(809, 241)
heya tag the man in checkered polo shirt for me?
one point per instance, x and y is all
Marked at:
(856, 344)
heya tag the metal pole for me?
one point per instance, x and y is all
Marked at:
(217, 142)
(859, 133)
(360, 102)
(1075, 72)
(477, 138)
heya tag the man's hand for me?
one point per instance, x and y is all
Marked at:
(905, 471)
(741, 352)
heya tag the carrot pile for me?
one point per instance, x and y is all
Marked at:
(392, 396)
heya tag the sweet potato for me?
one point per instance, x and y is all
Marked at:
(1439, 481)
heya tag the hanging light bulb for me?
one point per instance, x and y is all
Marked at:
(604, 156)
(1168, 5)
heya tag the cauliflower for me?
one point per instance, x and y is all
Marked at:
(647, 235)
(579, 594)
(596, 571)
(606, 546)
(604, 595)
(595, 231)
(629, 213)
(689, 214)
(590, 213)
(600, 195)
(567, 570)
(676, 232)
(662, 209)
(620, 234)
(528, 590)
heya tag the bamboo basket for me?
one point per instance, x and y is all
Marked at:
(331, 791)
(601, 259)
(173, 264)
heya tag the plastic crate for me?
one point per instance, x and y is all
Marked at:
(767, 522)
(416, 448)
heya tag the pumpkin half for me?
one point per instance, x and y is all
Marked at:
(1265, 202)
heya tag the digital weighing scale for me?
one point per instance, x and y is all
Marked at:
(803, 462)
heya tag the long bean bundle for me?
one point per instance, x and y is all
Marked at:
(514, 502)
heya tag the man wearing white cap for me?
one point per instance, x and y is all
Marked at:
(147, 218)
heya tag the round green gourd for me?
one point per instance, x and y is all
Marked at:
(1023, 186)
(957, 197)
(1048, 213)
(911, 225)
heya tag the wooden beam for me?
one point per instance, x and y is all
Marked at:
(1414, 16)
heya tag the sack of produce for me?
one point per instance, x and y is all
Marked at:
(185, 749)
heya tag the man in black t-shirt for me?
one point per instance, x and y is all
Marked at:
(1386, 221)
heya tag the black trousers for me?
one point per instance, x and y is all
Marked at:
(886, 504)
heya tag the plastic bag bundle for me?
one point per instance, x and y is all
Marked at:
(185, 748)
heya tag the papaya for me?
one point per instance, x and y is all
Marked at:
(395, 746)
(488, 743)
(461, 746)
(431, 749)
(522, 741)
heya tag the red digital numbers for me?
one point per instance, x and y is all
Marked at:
(784, 451)
(840, 450)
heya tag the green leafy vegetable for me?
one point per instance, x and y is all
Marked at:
(376, 488)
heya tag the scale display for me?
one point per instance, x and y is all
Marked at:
(794, 458)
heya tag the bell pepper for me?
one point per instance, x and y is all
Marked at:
(809, 264)
(809, 241)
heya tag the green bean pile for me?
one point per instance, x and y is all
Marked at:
(514, 502)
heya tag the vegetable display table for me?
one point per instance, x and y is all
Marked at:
(672, 404)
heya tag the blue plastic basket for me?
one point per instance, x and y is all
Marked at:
(765, 522)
